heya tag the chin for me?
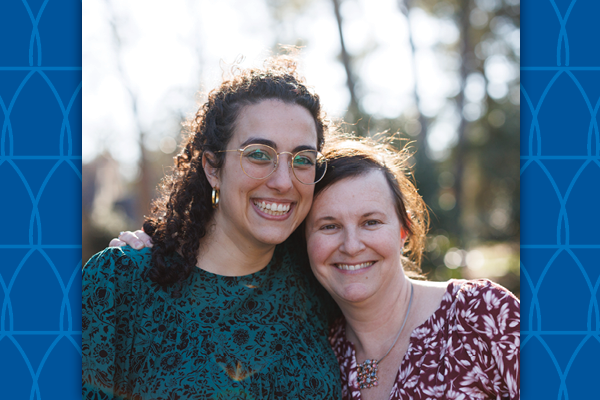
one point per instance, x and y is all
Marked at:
(355, 293)
(273, 237)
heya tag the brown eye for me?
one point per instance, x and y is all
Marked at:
(327, 227)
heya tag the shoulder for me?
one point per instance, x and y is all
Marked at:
(485, 306)
(114, 280)
(117, 263)
(486, 329)
(481, 291)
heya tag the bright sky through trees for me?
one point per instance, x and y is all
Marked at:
(167, 52)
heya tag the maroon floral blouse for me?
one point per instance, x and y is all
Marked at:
(468, 349)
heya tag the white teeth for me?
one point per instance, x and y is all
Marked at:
(273, 208)
(354, 267)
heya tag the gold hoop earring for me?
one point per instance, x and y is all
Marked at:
(215, 198)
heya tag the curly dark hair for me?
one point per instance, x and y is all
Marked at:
(182, 214)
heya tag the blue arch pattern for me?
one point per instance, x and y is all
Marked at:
(560, 183)
(40, 276)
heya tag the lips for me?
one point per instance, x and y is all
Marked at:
(354, 267)
(273, 208)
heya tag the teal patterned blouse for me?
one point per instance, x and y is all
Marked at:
(260, 336)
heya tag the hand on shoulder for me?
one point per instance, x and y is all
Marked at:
(118, 261)
(138, 240)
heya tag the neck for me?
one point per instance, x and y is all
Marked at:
(374, 324)
(224, 254)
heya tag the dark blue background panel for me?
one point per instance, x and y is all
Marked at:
(560, 194)
(40, 171)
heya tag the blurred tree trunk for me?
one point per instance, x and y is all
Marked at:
(405, 7)
(353, 109)
(143, 186)
(466, 51)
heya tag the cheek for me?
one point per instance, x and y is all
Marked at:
(243, 188)
(319, 249)
(306, 200)
(388, 245)
(232, 186)
(317, 258)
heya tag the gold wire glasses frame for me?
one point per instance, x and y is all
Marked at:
(259, 161)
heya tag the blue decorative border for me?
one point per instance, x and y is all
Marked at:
(40, 172)
(560, 183)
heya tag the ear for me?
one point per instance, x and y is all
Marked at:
(403, 235)
(212, 173)
(404, 231)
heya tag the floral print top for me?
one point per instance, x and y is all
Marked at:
(257, 336)
(468, 349)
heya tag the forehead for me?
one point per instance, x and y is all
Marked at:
(355, 196)
(285, 124)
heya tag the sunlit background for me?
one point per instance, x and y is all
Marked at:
(444, 74)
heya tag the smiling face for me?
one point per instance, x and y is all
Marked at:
(265, 212)
(354, 239)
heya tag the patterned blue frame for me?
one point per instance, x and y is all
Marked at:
(40, 196)
(40, 172)
(560, 182)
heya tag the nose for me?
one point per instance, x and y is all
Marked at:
(352, 244)
(281, 179)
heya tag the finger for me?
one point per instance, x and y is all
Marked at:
(144, 237)
(131, 239)
(116, 243)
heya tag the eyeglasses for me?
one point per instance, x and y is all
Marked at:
(259, 161)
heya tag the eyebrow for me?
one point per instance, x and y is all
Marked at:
(365, 215)
(371, 213)
(325, 219)
(270, 143)
(255, 140)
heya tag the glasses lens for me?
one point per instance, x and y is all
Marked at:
(309, 166)
(258, 161)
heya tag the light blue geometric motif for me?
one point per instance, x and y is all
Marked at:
(560, 186)
(40, 171)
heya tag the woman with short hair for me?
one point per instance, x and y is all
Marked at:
(402, 338)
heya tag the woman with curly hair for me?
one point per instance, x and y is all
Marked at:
(221, 306)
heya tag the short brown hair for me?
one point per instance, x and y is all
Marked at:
(349, 158)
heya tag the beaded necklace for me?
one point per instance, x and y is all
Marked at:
(367, 371)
